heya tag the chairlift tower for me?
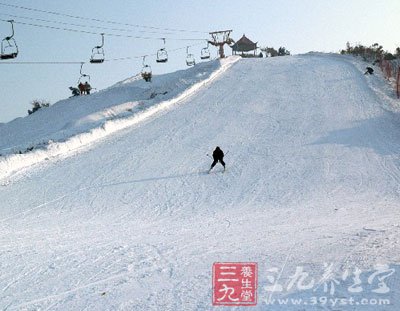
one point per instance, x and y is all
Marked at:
(219, 39)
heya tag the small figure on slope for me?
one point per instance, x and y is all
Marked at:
(369, 71)
(75, 91)
(218, 156)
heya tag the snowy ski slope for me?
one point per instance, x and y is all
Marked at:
(74, 123)
(132, 221)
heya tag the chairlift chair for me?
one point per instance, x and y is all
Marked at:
(190, 60)
(84, 77)
(146, 71)
(162, 55)
(98, 52)
(205, 52)
(9, 48)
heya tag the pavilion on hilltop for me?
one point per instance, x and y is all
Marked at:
(243, 46)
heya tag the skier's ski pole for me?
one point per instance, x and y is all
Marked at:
(208, 155)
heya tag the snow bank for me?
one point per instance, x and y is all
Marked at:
(378, 85)
(73, 123)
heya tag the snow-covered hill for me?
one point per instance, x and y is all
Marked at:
(133, 222)
(74, 123)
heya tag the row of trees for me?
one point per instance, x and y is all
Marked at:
(271, 52)
(373, 52)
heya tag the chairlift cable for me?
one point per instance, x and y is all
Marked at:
(106, 34)
(40, 63)
(80, 62)
(82, 25)
(98, 20)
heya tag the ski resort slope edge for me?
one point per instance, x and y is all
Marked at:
(73, 124)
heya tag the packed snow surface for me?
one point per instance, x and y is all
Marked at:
(112, 209)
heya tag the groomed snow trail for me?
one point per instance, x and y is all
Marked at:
(135, 223)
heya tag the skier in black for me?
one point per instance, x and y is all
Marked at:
(218, 156)
(369, 71)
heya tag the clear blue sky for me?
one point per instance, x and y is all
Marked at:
(299, 25)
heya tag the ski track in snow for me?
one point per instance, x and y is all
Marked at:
(134, 223)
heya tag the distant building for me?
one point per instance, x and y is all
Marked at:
(243, 46)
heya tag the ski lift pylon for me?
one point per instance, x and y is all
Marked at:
(190, 60)
(162, 55)
(146, 71)
(98, 52)
(205, 52)
(9, 48)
